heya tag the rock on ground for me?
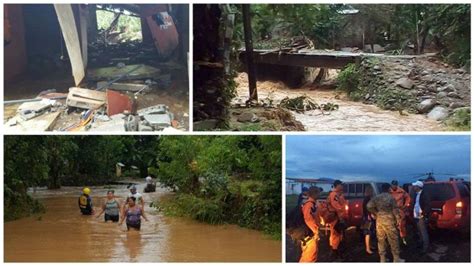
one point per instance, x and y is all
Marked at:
(426, 105)
(438, 113)
(405, 83)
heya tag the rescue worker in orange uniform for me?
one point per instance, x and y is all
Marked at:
(309, 246)
(337, 203)
(403, 203)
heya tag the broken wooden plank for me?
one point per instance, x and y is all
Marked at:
(132, 87)
(325, 60)
(71, 38)
(83, 15)
(41, 123)
(107, 73)
(209, 64)
(85, 99)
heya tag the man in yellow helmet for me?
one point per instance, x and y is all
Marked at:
(85, 202)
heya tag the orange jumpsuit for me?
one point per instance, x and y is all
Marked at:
(337, 203)
(309, 249)
(403, 202)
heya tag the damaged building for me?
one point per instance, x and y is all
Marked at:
(96, 67)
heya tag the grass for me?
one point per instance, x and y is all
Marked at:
(460, 120)
(213, 211)
(22, 206)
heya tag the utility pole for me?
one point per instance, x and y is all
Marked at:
(251, 71)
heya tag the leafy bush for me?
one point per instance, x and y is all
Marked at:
(225, 179)
(460, 120)
(348, 79)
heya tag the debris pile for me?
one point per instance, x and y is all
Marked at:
(304, 103)
(111, 106)
(263, 119)
(129, 53)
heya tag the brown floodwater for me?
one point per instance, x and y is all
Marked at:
(62, 234)
(351, 115)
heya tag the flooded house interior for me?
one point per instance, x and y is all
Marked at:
(96, 67)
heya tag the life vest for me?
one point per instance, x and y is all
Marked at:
(84, 202)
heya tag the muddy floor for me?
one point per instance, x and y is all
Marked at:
(351, 116)
(446, 246)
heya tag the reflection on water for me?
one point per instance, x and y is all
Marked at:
(62, 234)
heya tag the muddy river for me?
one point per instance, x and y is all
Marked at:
(62, 234)
(351, 116)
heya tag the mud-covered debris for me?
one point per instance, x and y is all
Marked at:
(299, 104)
(304, 103)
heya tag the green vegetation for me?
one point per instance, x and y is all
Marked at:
(217, 179)
(400, 28)
(129, 25)
(227, 179)
(460, 120)
(348, 80)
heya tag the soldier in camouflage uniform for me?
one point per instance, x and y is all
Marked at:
(385, 208)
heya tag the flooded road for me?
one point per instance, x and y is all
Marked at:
(62, 234)
(351, 116)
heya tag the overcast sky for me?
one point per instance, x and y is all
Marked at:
(380, 158)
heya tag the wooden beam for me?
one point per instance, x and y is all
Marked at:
(71, 38)
(251, 70)
(83, 15)
(305, 60)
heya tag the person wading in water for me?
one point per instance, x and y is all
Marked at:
(133, 213)
(111, 207)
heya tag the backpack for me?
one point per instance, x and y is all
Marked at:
(296, 226)
(326, 213)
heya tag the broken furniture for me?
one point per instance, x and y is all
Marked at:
(29, 110)
(85, 99)
(40, 123)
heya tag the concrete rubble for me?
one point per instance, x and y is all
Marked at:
(108, 107)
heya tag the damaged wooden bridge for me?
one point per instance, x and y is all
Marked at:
(306, 58)
(315, 58)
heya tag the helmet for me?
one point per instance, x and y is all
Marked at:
(86, 191)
